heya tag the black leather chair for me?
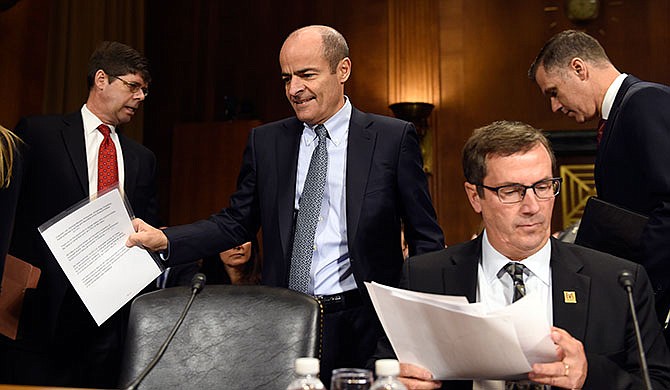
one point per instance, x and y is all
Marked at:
(234, 337)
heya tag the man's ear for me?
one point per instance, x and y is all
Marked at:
(344, 70)
(100, 79)
(473, 196)
(580, 67)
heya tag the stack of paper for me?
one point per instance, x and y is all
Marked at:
(455, 339)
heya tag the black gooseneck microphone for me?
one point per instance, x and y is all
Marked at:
(197, 284)
(627, 281)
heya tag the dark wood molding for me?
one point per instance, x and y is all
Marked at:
(572, 142)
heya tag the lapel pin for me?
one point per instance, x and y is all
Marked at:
(569, 297)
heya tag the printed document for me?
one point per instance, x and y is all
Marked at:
(455, 339)
(88, 242)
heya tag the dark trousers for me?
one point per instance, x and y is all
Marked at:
(349, 339)
(80, 354)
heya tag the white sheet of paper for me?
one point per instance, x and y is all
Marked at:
(89, 245)
(456, 341)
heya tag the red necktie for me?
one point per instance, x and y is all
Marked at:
(601, 129)
(108, 169)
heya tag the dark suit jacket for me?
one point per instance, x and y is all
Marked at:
(633, 170)
(9, 197)
(385, 183)
(600, 319)
(56, 177)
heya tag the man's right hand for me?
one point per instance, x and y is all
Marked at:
(415, 377)
(147, 236)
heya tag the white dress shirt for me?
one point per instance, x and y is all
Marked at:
(610, 95)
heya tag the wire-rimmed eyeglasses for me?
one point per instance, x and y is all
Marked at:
(133, 86)
(544, 189)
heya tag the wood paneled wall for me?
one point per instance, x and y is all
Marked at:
(486, 48)
(206, 54)
(23, 61)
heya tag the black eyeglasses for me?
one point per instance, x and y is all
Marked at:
(133, 86)
(514, 193)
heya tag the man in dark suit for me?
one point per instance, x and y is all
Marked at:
(374, 181)
(508, 169)
(633, 161)
(61, 343)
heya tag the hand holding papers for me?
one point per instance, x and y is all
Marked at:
(89, 245)
(458, 340)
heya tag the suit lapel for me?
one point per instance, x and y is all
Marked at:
(570, 291)
(460, 276)
(287, 146)
(73, 139)
(131, 166)
(360, 150)
(607, 134)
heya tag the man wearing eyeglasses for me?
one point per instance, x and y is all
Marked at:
(508, 169)
(69, 158)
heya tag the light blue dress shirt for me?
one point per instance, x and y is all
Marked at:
(331, 269)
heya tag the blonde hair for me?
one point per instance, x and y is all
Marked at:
(8, 143)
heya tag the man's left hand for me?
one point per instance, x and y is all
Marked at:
(569, 372)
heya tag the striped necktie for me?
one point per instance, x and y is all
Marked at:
(515, 270)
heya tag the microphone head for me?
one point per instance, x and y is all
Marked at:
(626, 279)
(198, 282)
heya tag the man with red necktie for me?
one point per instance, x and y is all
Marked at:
(69, 158)
(632, 167)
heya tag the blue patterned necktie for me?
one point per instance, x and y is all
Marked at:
(308, 215)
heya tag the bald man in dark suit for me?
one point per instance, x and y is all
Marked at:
(374, 180)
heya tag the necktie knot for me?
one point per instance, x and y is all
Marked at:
(104, 129)
(515, 270)
(321, 132)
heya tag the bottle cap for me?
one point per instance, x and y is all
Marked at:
(387, 367)
(307, 366)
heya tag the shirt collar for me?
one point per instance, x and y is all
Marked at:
(610, 95)
(337, 126)
(537, 263)
(91, 122)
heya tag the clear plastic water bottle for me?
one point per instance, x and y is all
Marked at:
(306, 375)
(387, 371)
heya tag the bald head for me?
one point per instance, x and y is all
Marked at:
(333, 45)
